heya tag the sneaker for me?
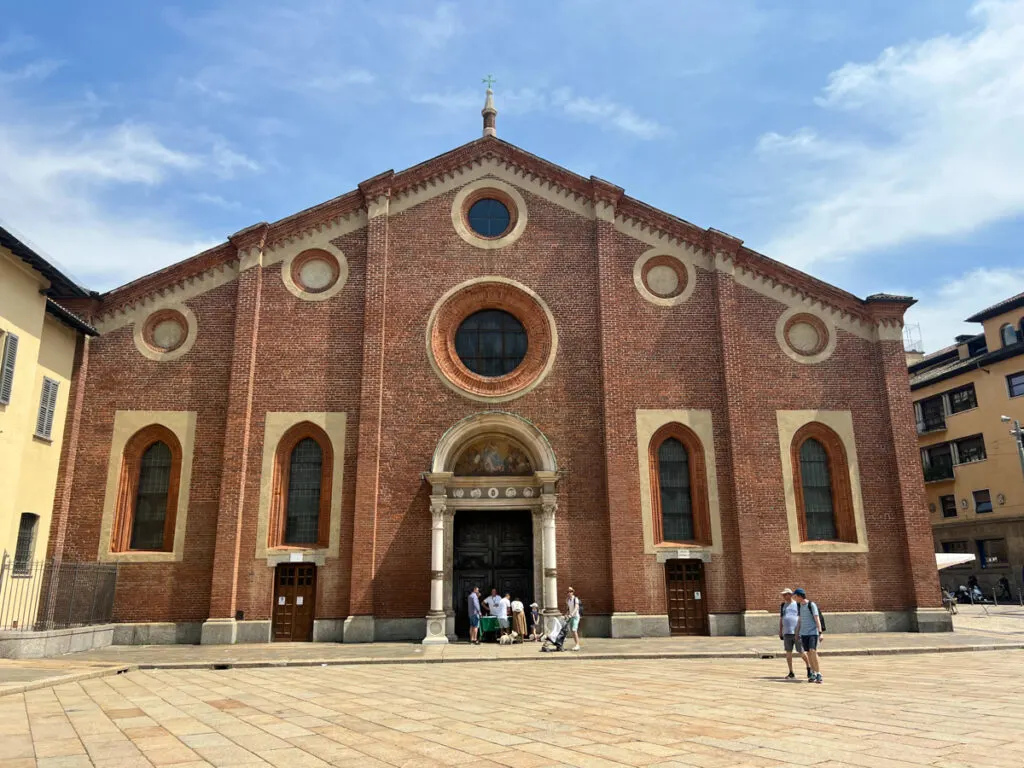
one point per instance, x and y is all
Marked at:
(576, 647)
(817, 679)
(790, 676)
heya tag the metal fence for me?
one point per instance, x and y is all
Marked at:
(53, 594)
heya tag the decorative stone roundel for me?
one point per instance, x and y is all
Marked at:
(166, 333)
(315, 274)
(663, 279)
(805, 337)
(491, 293)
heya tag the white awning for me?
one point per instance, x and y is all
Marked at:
(949, 559)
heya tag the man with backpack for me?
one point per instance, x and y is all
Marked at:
(789, 616)
(809, 627)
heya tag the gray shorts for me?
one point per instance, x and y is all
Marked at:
(503, 623)
(792, 643)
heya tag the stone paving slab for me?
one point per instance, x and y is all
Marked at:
(311, 654)
(893, 712)
(19, 675)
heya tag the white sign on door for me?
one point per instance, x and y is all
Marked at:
(696, 596)
(298, 600)
(280, 600)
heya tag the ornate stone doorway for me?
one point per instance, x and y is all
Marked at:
(490, 462)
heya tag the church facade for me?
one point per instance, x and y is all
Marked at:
(488, 371)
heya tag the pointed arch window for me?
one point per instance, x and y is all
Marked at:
(822, 485)
(300, 513)
(147, 500)
(679, 487)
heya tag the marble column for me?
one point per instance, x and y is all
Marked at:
(436, 634)
(550, 601)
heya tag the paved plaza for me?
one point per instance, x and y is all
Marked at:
(959, 710)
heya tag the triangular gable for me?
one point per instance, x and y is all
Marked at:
(488, 156)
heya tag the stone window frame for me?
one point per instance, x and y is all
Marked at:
(488, 186)
(491, 292)
(698, 484)
(841, 424)
(127, 495)
(276, 424)
(128, 426)
(282, 471)
(700, 422)
(839, 477)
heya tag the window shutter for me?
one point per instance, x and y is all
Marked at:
(47, 407)
(7, 368)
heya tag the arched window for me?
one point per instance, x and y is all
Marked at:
(679, 487)
(147, 500)
(821, 478)
(300, 513)
(1008, 334)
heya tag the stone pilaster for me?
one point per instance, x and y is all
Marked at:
(436, 624)
(376, 195)
(624, 523)
(222, 627)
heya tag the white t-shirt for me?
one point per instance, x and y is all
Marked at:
(492, 604)
(517, 606)
(790, 615)
(503, 606)
(573, 606)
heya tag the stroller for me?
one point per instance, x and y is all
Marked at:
(555, 639)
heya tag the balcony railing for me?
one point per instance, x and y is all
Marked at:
(938, 473)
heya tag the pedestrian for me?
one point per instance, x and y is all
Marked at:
(518, 619)
(809, 629)
(474, 616)
(789, 615)
(535, 621)
(572, 610)
(502, 613)
(491, 602)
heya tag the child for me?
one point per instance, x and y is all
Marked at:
(537, 635)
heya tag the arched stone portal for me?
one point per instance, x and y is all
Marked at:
(490, 461)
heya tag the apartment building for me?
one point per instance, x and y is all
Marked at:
(966, 400)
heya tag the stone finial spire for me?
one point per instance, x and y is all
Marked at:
(489, 113)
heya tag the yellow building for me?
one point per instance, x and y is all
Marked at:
(966, 400)
(40, 344)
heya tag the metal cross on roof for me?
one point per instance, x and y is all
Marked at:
(489, 80)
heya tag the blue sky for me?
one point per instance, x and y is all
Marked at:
(877, 144)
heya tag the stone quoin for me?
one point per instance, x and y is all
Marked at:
(389, 398)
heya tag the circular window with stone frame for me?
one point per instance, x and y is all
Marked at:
(489, 214)
(315, 274)
(805, 337)
(491, 339)
(166, 333)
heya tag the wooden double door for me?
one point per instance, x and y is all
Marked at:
(687, 603)
(294, 602)
(492, 549)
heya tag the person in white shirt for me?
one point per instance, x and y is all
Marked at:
(492, 601)
(503, 607)
(789, 615)
(572, 610)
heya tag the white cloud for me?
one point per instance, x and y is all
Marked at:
(932, 145)
(941, 312)
(598, 111)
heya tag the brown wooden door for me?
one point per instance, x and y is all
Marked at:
(294, 599)
(684, 590)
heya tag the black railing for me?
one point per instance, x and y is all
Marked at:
(53, 594)
(938, 472)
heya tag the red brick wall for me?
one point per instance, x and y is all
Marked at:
(310, 356)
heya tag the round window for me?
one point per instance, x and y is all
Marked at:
(489, 217)
(491, 342)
